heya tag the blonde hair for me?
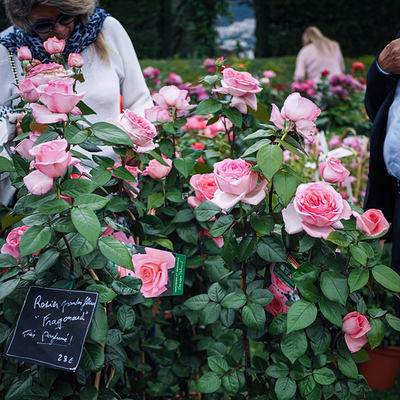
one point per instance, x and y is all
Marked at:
(324, 45)
(18, 10)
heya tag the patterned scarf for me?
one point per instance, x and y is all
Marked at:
(82, 37)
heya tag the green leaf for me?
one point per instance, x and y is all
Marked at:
(227, 317)
(6, 165)
(278, 325)
(99, 326)
(92, 358)
(271, 249)
(294, 345)
(210, 313)
(105, 293)
(285, 388)
(339, 238)
(88, 393)
(8, 287)
(209, 383)
(231, 383)
(123, 173)
(333, 312)
(208, 106)
(234, 300)
(205, 211)
(126, 317)
(115, 251)
(222, 224)
(261, 113)
(253, 316)
(117, 204)
(358, 254)
(334, 286)
(300, 315)
(278, 370)
(255, 147)
(188, 233)
(74, 135)
(197, 303)
(216, 292)
(167, 147)
(260, 133)
(46, 136)
(261, 296)
(306, 386)
(218, 364)
(306, 243)
(387, 277)
(7, 261)
(86, 223)
(285, 185)
(46, 260)
(262, 224)
(75, 187)
(127, 286)
(306, 273)
(101, 175)
(53, 206)
(348, 367)
(235, 116)
(78, 244)
(376, 333)
(18, 388)
(324, 376)
(270, 159)
(155, 200)
(357, 279)
(393, 321)
(184, 166)
(92, 201)
(34, 239)
(182, 216)
(110, 133)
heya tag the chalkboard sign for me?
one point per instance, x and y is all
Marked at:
(52, 327)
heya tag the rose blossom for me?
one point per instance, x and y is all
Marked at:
(23, 147)
(75, 60)
(355, 327)
(44, 73)
(28, 90)
(38, 183)
(172, 97)
(301, 111)
(134, 184)
(222, 125)
(204, 188)
(156, 170)
(278, 304)
(11, 246)
(195, 123)
(333, 170)
(54, 45)
(242, 86)
(372, 222)
(317, 208)
(237, 183)
(140, 130)
(52, 158)
(152, 268)
(24, 54)
(157, 114)
(150, 72)
(174, 79)
(219, 241)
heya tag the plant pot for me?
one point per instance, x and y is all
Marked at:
(382, 369)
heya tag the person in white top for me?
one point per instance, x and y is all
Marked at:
(110, 69)
(318, 54)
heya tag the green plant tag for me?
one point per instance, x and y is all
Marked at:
(179, 274)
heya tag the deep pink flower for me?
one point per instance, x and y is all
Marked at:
(333, 170)
(372, 222)
(24, 54)
(355, 327)
(204, 186)
(54, 45)
(223, 125)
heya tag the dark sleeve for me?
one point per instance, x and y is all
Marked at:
(378, 86)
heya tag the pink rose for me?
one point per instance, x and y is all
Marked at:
(223, 125)
(172, 97)
(150, 72)
(195, 123)
(317, 208)
(333, 170)
(355, 327)
(59, 96)
(204, 186)
(75, 60)
(242, 86)
(140, 130)
(156, 170)
(237, 183)
(174, 79)
(119, 235)
(157, 114)
(219, 241)
(152, 268)
(38, 183)
(278, 304)
(11, 246)
(335, 141)
(23, 147)
(372, 222)
(54, 45)
(44, 73)
(43, 115)
(24, 54)
(209, 63)
(134, 184)
(269, 74)
(301, 111)
(52, 158)
(28, 91)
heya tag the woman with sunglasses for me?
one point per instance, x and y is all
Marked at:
(110, 68)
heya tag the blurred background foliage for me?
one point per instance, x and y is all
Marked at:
(186, 28)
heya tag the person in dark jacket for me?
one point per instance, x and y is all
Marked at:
(382, 102)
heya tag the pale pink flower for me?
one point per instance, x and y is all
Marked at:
(44, 73)
(195, 123)
(43, 115)
(204, 186)
(38, 183)
(333, 170)
(172, 97)
(11, 246)
(24, 54)
(54, 45)
(355, 327)
(223, 125)
(269, 74)
(372, 222)
(134, 184)
(156, 170)
(23, 147)
(236, 182)
(28, 90)
(317, 208)
(157, 114)
(75, 60)
(174, 79)
(219, 241)
(150, 72)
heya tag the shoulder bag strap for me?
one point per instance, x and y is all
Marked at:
(13, 67)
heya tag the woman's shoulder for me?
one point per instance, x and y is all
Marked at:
(112, 26)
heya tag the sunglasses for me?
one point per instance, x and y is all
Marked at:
(47, 25)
